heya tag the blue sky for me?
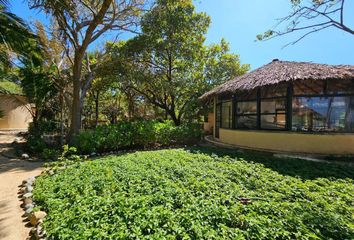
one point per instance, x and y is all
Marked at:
(239, 21)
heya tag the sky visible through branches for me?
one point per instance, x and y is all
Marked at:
(240, 21)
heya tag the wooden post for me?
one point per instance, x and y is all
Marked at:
(289, 107)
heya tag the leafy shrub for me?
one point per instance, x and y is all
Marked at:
(178, 194)
(136, 134)
(67, 158)
(69, 153)
(35, 143)
(50, 154)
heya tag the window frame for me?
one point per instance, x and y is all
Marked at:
(288, 97)
(285, 98)
(236, 115)
(259, 113)
(324, 95)
(230, 113)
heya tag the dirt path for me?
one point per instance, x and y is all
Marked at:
(12, 172)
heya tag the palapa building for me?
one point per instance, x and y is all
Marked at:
(296, 107)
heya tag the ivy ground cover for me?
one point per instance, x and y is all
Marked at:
(198, 194)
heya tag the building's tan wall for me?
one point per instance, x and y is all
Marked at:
(15, 116)
(328, 144)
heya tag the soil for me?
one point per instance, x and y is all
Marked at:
(12, 171)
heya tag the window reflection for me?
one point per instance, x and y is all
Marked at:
(247, 107)
(330, 114)
(273, 113)
(246, 115)
(226, 117)
(317, 106)
(273, 121)
(273, 105)
(246, 122)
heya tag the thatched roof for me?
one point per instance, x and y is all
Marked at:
(282, 71)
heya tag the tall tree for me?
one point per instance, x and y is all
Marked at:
(311, 16)
(169, 63)
(81, 23)
(15, 34)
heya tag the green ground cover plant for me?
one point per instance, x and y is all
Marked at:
(198, 193)
(142, 133)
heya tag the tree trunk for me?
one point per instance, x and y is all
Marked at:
(176, 120)
(96, 107)
(61, 118)
(76, 104)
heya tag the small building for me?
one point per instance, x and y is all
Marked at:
(296, 107)
(15, 111)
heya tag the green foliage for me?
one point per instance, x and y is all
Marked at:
(10, 88)
(69, 153)
(50, 154)
(136, 134)
(268, 34)
(66, 158)
(37, 85)
(35, 143)
(15, 34)
(169, 63)
(179, 194)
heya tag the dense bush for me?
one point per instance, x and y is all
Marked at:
(136, 134)
(177, 194)
(35, 143)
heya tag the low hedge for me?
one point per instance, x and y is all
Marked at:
(136, 134)
(178, 194)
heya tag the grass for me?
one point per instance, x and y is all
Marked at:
(198, 193)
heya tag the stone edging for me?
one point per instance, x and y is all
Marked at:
(34, 218)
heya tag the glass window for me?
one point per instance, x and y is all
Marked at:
(273, 105)
(273, 113)
(274, 121)
(246, 107)
(246, 115)
(226, 114)
(330, 114)
(246, 122)
(218, 119)
(344, 86)
(309, 87)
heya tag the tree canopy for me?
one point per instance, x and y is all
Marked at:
(81, 23)
(170, 63)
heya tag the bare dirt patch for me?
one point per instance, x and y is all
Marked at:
(12, 171)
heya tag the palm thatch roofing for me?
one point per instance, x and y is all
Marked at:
(281, 71)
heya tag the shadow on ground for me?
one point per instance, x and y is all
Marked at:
(4, 209)
(306, 170)
(9, 160)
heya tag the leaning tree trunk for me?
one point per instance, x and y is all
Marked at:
(97, 98)
(76, 104)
